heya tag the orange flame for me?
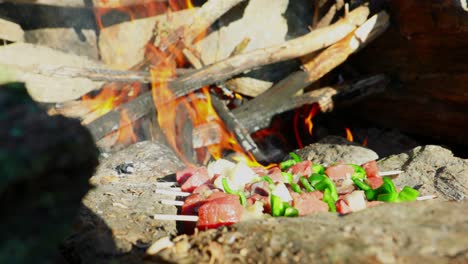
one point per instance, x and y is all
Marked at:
(126, 133)
(308, 120)
(349, 135)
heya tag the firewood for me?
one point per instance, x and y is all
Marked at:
(206, 15)
(21, 57)
(235, 125)
(322, 63)
(261, 118)
(300, 46)
(10, 31)
(254, 120)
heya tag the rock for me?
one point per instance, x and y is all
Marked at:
(81, 43)
(123, 45)
(45, 164)
(262, 22)
(336, 149)
(10, 31)
(433, 231)
(24, 57)
(432, 169)
(125, 202)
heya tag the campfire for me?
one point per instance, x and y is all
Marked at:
(225, 98)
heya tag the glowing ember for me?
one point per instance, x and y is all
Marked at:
(365, 142)
(349, 135)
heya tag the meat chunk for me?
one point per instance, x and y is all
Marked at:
(371, 169)
(339, 172)
(303, 168)
(275, 174)
(221, 211)
(308, 203)
(198, 177)
(261, 187)
(374, 182)
(183, 175)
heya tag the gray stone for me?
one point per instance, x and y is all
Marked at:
(430, 231)
(432, 169)
(336, 149)
(117, 216)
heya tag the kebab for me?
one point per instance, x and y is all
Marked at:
(224, 192)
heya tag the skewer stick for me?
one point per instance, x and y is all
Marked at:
(426, 197)
(389, 173)
(169, 192)
(186, 218)
(171, 202)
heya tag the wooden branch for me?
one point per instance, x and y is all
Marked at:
(109, 122)
(321, 64)
(235, 125)
(325, 97)
(99, 74)
(206, 15)
(229, 67)
(251, 121)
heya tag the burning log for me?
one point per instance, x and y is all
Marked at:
(300, 46)
(201, 20)
(99, 74)
(318, 66)
(252, 121)
(259, 118)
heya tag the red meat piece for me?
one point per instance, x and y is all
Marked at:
(374, 182)
(260, 171)
(308, 203)
(342, 207)
(192, 203)
(371, 169)
(275, 174)
(198, 178)
(221, 211)
(205, 187)
(261, 187)
(303, 168)
(339, 172)
(183, 175)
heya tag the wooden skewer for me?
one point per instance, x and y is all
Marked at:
(170, 192)
(171, 202)
(187, 218)
(426, 197)
(389, 173)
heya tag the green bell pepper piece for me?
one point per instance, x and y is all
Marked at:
(306, 184)
(288, 177)
(387, 197)
(360, 184)
(241, 194)
(327, 198)
(287, 164)
(296, 188)
(291, 212)
(277, 206)
(316, 178)
(327, 184)
(359, 172)
(407, 194)
(317, 168)
(295, 157)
